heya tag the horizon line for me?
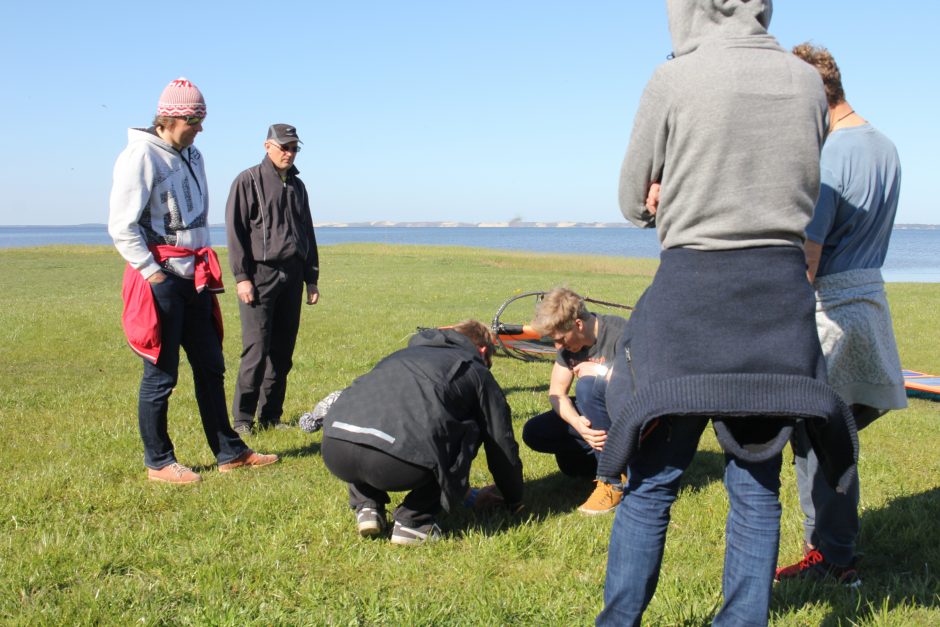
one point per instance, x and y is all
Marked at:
(441, 224)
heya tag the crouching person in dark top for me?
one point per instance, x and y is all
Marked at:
(415, 423)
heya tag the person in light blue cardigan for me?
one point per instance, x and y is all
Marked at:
(846, 244)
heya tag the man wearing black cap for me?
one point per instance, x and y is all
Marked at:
(273, 253)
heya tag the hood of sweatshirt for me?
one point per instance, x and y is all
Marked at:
(693, 22)
(445, 338)
(149, 136)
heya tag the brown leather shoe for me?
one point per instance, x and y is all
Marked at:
(248, 458)
(173, 473)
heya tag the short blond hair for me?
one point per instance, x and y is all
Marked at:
(558, 310)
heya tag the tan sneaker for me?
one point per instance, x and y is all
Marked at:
(173, 473)
(248, 458)
(604, 499)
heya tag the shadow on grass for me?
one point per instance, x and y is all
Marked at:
(542, 387)
(898, 568)
(313, 448)
(544, 497)
(706, 468)
(558, 494)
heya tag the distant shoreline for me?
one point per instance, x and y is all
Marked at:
(444, 225)
(911, 257)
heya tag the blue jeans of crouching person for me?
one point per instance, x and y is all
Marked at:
(548, 433)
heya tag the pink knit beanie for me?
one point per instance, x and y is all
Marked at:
(180, 99)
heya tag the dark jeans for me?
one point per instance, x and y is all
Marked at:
(372, 474)
(638, 535)
(830, 518)
(185, 320)
(548, 433)
(269, 332)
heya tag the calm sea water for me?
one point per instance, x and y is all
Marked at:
(914, 254)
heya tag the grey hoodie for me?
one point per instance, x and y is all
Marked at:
(732, 128)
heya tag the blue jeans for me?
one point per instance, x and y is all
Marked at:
(548, 433)
(185, 320)
(638, 536)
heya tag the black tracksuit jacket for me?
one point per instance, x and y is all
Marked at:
(268, 220)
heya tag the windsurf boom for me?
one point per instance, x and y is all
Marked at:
(521, 341)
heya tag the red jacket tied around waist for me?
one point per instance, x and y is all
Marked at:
(140, 319)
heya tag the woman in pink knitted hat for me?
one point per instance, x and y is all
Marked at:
(158, 220)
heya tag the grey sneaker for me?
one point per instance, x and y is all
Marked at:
(415, 535)
(370, 521)
(313, 420)
(242, 429)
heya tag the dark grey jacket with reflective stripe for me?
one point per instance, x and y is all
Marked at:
(433, 404)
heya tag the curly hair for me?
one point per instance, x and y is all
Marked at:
(822, 60)
(558, 310)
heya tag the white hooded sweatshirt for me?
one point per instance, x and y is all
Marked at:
(159, 196)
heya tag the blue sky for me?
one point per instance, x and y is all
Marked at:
(409, 110)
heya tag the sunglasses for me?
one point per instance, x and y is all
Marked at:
(192, 120)
(293, 149)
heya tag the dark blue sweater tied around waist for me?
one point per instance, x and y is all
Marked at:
(729, 335)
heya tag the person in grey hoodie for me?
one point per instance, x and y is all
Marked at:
(723, 162)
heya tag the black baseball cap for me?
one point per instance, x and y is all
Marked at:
(283, 134)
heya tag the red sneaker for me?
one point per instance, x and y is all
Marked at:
(815, 567)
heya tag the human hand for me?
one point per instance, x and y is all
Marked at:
(245, 291)
(487, 497)
(594, 437)
(157, 277)
(313, 295)
(590, 369)
(652, 198)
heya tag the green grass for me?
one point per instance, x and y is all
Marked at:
(84, 538)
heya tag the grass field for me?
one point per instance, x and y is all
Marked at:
(85, 539)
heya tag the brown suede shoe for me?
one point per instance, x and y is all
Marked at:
(603, 500)
(248, 458)
(173, 473)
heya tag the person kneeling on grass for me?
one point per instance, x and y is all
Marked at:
(415, 423)
(575, 429)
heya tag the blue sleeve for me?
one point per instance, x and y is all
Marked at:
(827, 205)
